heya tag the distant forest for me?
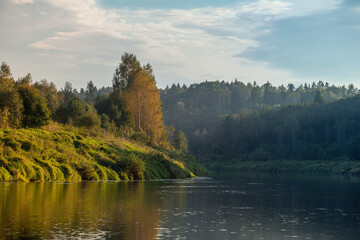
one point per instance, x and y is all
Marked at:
(227, 121)
(195, 109)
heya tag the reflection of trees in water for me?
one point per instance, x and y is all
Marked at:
(118, 210)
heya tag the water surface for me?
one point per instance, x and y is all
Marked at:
(227, 206)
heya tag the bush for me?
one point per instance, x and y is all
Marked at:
(134, 167)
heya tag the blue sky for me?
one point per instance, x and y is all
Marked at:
(280, 41)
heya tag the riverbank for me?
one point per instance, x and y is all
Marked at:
(41, 155)
(290, 166)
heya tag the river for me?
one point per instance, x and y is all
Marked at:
(225, 206)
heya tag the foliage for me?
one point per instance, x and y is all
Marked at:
(298, 132)
(49, 92)
(319, 99)
(113, 106)
(9, 97)
(4, 118)
(142, 98)
(180, 141)
(90, 92)
(35, 113)
(125, 71)
(194, 109)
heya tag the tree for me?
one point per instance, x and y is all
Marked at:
(68, 93)
(142, 98)
(9, 97)
(180, 141)
(319, 99)
(291, 87)
(114, 107)
(36, 113)
(82, 114)
(90, 92)
(49, 91)
(125, 71)
(27, 80)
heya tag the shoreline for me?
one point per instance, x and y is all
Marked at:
(290, 166)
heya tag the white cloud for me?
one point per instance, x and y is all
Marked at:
(21, 2)
(182, 45)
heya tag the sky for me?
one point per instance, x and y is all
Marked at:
(189, 41)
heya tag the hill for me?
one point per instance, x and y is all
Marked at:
(65, 155)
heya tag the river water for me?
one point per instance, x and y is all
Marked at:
(226, 206)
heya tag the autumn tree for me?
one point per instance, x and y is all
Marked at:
(143, 100)
(141, 96)
(10, 101)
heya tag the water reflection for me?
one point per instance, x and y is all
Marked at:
(237, 207)
(89, 210)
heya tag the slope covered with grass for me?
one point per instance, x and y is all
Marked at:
(40, 155)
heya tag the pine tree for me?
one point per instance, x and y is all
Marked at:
(90, 92)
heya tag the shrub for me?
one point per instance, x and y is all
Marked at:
(134, 167)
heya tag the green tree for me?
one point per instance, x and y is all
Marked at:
(319, 99)
(113, 106)
(27, 80)
(49, 91)
(90, 92)
(180, 141)
(36, 113)
(82, 114)
(125, 71)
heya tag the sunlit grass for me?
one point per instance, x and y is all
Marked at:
(64, 153)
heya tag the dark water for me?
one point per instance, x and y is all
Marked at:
(246, 206)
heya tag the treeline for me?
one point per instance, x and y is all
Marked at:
(315, 131)
(130, 109)
(197, 107)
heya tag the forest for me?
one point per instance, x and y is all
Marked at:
(48, 134)
(234, 122)
(195, 108)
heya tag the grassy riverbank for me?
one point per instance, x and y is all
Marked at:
(41, 155)
(282, 166)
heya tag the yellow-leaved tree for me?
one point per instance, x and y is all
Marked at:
(142, 98)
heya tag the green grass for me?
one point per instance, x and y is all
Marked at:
(291, 166)
(40, 155)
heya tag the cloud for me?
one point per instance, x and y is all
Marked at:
(21, 2)
(182, 45)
